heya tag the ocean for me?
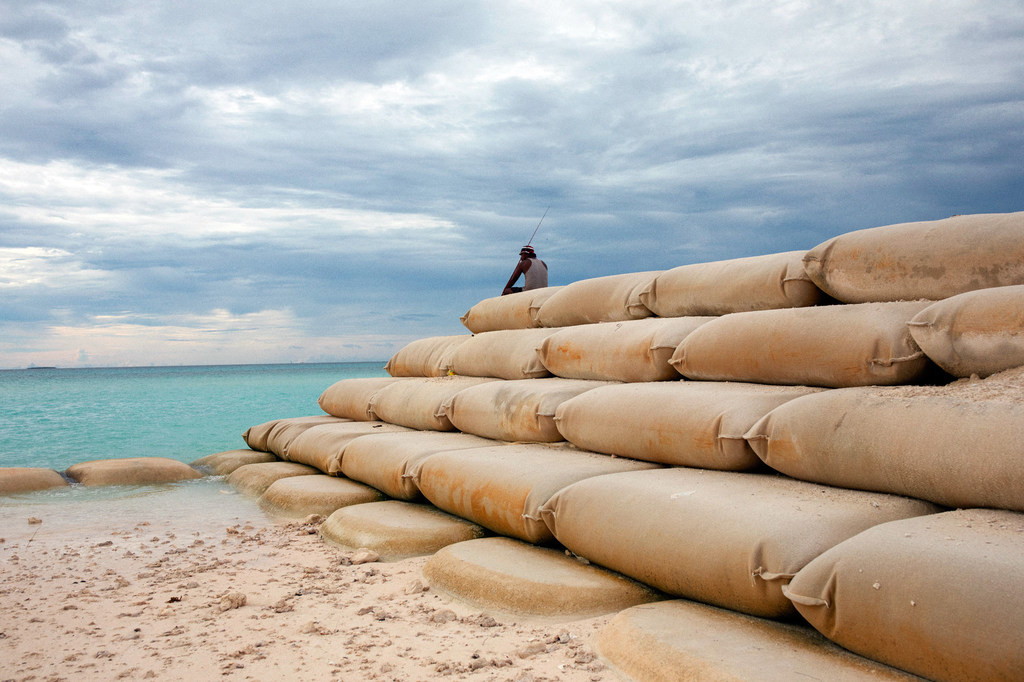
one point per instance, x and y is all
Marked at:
(58, 417)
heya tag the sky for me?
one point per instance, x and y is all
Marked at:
(218, 182)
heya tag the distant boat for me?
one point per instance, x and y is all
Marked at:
(40, 367)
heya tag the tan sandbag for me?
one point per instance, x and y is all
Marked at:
(959, 445)
(258, 437)
(722, 538)
(350, 398)
(430, 357)
(223, 463)
(300, 496)
(636, 350)
(939, 596)
(978, 332)
(418, 403)
(739, 285)
(131, 471)
(512, 311)
(600, 299)
(324, 446)
(683, 423)
(933, 259)
(389, 461)
(510, 354)
(830, 346)
(254, 479)
(521, 410)
(502, 488)
(685, 640)
(28, 479)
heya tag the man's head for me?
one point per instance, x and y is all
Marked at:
(527, 252)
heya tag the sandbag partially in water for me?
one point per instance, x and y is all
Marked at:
(28, 479)
(223, 463)
(765, 282)
(613, 298)
(830, 346)
(418, 403)
(254, 479)
(131, 471)
(324, 446)
(979, 332)
(258, 437)
(722, 538)
(350, 398)
(521, 410)
(635, 350)
(510, 354)
(682, 423)
(512, 311)
(932, 259)
(430, 357)
(939, 596)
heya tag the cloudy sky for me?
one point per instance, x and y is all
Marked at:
(204, 182)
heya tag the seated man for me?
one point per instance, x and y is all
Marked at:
(532, 268)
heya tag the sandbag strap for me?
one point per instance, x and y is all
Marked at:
(802, 600)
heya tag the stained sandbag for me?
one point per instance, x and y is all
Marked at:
(521, 410)
(300, 496)
(938, 596)
(932, 259)
(350, 398)
(512, 311)
(510, 354)
(324, 446)
(254, 479)
(768, 282)
(830, 346)
(223, 463)
(430, 357)
(635, 350)
(682, 423)
(28, 479)
(979, 332)
(274, 435)
(418, 403)
(502, 488)
(959, 445)
(389, 461)
(722, 538)
(600, 299)
(131, 471)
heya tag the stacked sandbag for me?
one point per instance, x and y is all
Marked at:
(350, 398)
(430, 357)
(978, 332)
(390, 461)
(324, 446)
(932, 260)
(732, 286)
(939, 596)
(507, 354)
(29, 479)
(503, 488)
(131, 471)
(959, 445)
(681, 423)
(830, 346)
(635, 350)
(521, 410)
(732, 540)
(512, 311)
(258, 437)
(418, 403)
(223, 463)
(600, 299)
(300, 496)
(254, 479)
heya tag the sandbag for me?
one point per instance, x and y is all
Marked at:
(959, 445)
(512, 311)
(978, 332)
(635, 350)
(682, 423)
(502, 488)
(830, 346)
(418, 403)
(510, 354)
(254, 479)
(933, 259)
(768, 282)
(324, 446)
(256, 437)
(521, 410)
(223, 463)
(28, 479)
(939, 596)
(131, 471)
(390, 461)
(350, 398)
(600, 299)
(300, 496)
(722, 538)
(430, 357)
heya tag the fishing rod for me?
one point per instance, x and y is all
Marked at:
(538, 226)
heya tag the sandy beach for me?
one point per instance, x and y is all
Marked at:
(252, 601)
